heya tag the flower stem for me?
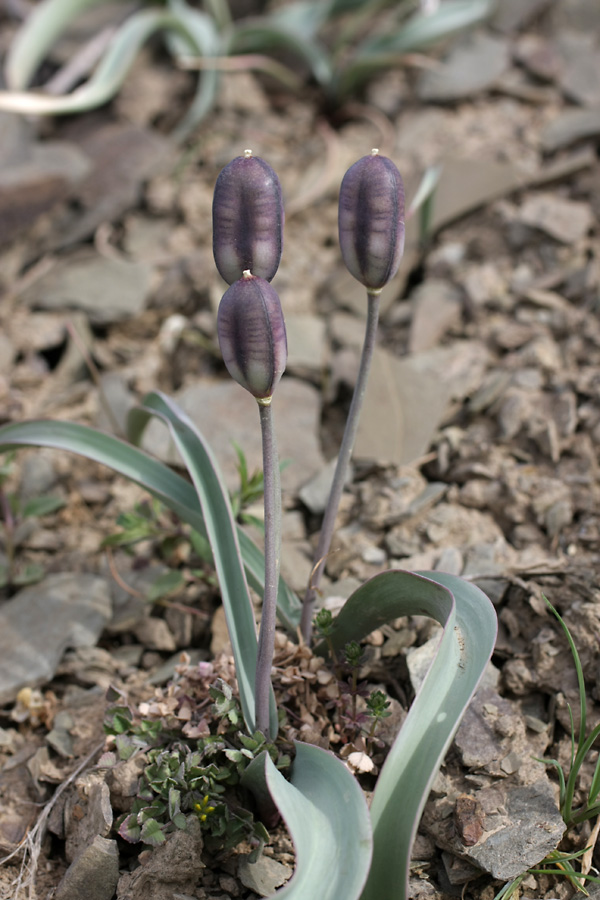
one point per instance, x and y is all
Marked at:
(272, 502)
(343, 461)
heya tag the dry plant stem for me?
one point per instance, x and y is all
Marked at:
(587, 858)
(272, 502)
(343, 461)
(31, 844)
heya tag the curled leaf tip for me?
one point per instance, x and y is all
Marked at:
(371, 220)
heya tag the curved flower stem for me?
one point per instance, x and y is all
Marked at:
(342, 464)
(272, 501)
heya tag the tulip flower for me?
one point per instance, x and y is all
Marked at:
(247, 219)
(371, 229)
(252, 337)
(371, 220)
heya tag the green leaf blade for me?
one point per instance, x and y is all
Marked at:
(43, 26)
(403, 785)
(222, 534)
(326, 813)
(154, 476)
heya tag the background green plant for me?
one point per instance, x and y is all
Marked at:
(14, 510)
(560, 863)
(342, 44)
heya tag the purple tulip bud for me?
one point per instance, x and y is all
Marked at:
(371, 220)
(247, 219)
(252, 336)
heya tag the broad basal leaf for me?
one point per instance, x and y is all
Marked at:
(326, 814)
(465, 647)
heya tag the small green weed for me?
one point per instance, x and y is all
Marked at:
(559, 863)
(184, 777)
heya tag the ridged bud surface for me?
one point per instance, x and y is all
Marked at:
(371, 220)
(252, 336)
(247, 219)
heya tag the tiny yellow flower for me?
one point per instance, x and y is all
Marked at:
(203, 808)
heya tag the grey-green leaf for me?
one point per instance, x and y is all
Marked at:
(466, 645)
(45, 23)
(222, 535)
(326, 813)
(157, 478)
(189, 28)
(425, 29)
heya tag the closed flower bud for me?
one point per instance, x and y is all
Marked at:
(371, 220)
(247, 219)
(252, 336)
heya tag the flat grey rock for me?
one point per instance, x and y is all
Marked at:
(581, 73)
(264, 875)
(437, 307)
(306, 344)
(565, 220)
(314, 493)
(42, 621)
(123, 156)
(224, 412)
(173, 867)
(108, 290)
(512, 15)
(119, 400)
(571, 126)
(93, 875)
(41, 177)
(472, 66)
(393, 428)
(39, 473)
(15, 138)
(88, 813)
(526, 830)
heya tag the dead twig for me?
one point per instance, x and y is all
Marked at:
(31, 845)
(586, 859)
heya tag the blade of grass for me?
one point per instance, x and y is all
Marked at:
(158, 479)
(582, 747)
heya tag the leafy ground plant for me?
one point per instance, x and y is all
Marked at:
(185, 776)
(322, 804)
(342, 42)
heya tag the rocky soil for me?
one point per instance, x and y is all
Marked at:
(476, 456)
